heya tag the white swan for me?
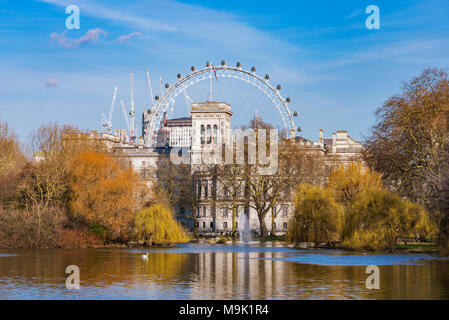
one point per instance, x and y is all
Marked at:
(145, 256)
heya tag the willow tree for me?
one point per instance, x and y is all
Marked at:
(348, 181)
(377, 219)
(156, 225)
(317, 217)
(410, 135)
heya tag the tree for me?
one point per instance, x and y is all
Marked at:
(12, 160)
(377, 219)
(103, 195)
(177, 183)
(347, 182)
(317, 217)
(230, 185)
(410, 134)
(156, 225)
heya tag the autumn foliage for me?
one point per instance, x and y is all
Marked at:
(103, 194)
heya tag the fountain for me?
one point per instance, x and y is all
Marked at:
(243, 227)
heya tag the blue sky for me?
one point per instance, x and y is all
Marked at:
(336, 71)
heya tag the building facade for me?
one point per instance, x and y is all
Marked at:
(209, 125)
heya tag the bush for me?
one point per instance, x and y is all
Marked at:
(31, 229)
(317, 216)
(156, 225)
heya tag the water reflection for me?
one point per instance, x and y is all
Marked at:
(216, 272)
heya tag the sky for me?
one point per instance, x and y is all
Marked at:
(335, 69)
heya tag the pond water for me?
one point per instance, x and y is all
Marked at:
(228, 271)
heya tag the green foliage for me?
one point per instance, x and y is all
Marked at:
(376, 219)
(317, 216)
(156, 225)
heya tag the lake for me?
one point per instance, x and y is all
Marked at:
(225, 271)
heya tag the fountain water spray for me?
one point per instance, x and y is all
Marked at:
(244, 232)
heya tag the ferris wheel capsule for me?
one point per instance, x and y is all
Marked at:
(179, 76)
(239, 65)
(167, 86)
(288, 99)
(157, 98)
(223, 63)
(267, 77)
(193, 68)
(207, 64)
(278, 87)
(253, 69)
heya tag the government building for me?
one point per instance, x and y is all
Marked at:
(209, 125)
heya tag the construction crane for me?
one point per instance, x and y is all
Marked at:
(107, 122)
(132, 135)
(149, 87)
(125, 114)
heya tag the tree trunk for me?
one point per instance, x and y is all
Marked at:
(263, 228)
(234, 214)
(195, 224)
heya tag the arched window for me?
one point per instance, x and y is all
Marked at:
(215, 133)
(203, 134)
(209, 134)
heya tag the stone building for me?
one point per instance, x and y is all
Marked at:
(209, 125)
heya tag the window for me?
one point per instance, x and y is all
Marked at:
(211, 224)
(285, 211)
(209, 134)
(226, 192)
(143, 163)
(204, 211)
(215, 133)
(203, 134)
(206, 190)
(204, 224)
(225, 212)
(285, 225)
(182, 211)
(225, 225)
(275, 226)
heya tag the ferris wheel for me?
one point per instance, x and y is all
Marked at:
(164, 104)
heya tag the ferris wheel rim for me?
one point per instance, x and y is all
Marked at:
(184, 82)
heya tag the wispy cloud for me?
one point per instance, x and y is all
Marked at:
(52, 82)
(126, 37)
(90, 36)
(354, 14)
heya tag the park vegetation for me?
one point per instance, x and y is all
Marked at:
(355, 210)
(63, 188)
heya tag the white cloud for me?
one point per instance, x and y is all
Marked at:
(90, 36)
(52, 82)
(126, 37)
